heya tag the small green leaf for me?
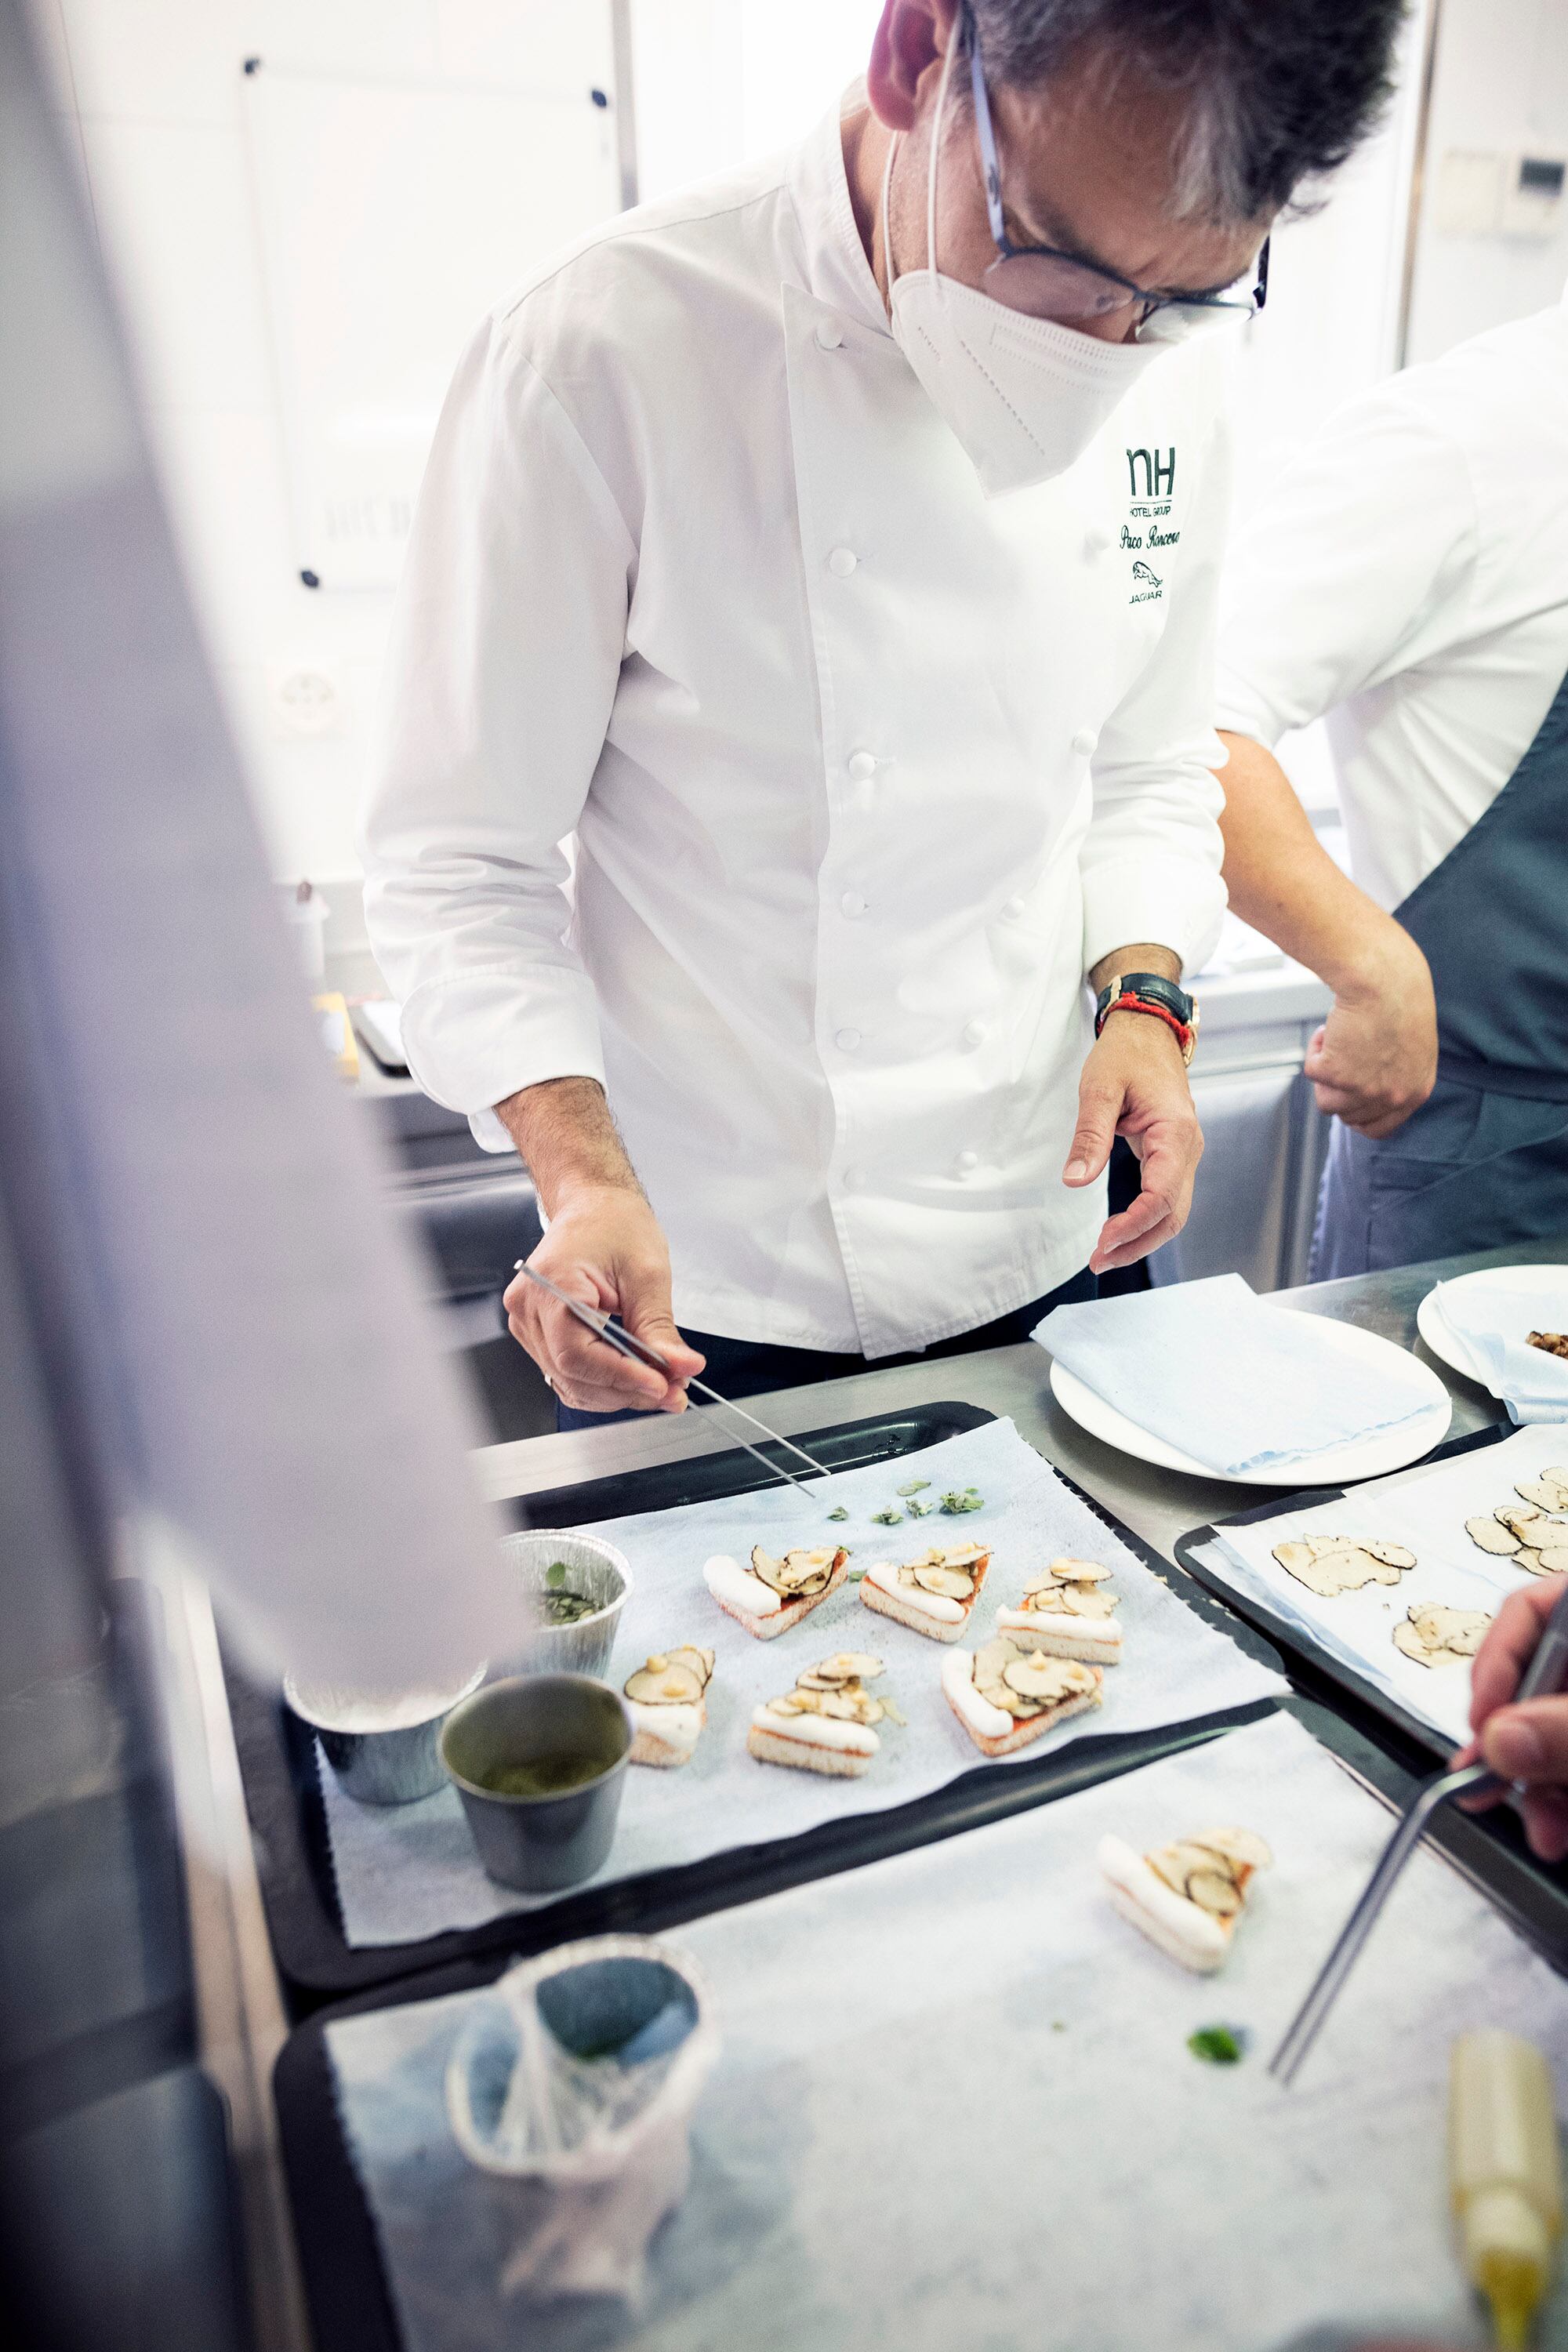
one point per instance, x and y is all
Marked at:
(855, 1574)
(840, 1514)
(888, 1519)
(915, 1486)
(954, 1503)
(918, 1510)
(1219, 2045)
(555, 1575)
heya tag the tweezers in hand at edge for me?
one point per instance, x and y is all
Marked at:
(604, 1326)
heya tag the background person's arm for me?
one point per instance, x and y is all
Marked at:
(1376, 1058)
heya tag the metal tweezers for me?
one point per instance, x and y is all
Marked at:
(1546, 1674)
(604, 1326)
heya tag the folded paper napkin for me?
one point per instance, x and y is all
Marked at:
(1218, 1372)
(1494, 1321)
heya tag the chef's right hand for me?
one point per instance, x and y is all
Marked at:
(1526, 1744)
(1374, 1060)
(605, 1248)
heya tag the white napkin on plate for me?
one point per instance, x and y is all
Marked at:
(1221, 1375)
(1494, 1319)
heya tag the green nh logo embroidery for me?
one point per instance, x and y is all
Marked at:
(1159, 476)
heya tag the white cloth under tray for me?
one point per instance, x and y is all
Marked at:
(954, 2105)
(410, 1870)
(1424, 1509)
(1493, 1320)
(1239, 1384)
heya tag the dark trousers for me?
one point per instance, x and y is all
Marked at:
(744, 1368)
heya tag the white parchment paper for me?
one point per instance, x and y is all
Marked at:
(411, 1871)
(955, 2107)
(1426, 1510)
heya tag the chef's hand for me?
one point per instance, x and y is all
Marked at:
(1374, 1060)
(1134, 1084)
(1528, 1743)
(605, 1248)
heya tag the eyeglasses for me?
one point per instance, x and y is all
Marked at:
(1044, 283)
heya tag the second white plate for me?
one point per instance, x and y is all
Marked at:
(1439, 1333)
(1367, 1458)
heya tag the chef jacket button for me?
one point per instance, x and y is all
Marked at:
(853, 1178)
(852, 904)
(1096, 539)
(1085, 742)
(846, 1040)
(967, 1162)
(975, 1033)
(1013, 909)
(828, 336)
(842, 562)
(862, 767)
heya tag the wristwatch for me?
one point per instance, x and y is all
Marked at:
(1145, 992)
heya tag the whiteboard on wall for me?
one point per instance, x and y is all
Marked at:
(390, 215)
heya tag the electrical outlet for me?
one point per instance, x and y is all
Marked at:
(306, 697)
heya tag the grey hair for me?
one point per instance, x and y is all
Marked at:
(1278, 92)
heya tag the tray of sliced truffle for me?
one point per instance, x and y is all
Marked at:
(728, 1672)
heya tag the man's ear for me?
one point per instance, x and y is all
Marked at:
(912, 38)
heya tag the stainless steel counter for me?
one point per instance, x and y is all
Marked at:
(1158, 1504)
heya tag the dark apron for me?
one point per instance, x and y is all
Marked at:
(1484, 1162)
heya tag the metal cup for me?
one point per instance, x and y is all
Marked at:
(595, 1569)
(540, 1845)
(395, 1766)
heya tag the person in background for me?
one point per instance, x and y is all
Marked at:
(832, 551)
(1408, 581)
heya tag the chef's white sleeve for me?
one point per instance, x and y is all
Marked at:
(1370, 530)
(506, 650)
(1151, 858)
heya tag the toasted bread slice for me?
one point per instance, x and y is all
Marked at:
(993, 1730)
(1221, 1864)
(666, 1735)
(766, 1625)
(889, 1588)
(812, 1743)
(1096, 1641)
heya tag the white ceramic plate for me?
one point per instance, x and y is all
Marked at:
(1438, 1332)
(1368, 1457)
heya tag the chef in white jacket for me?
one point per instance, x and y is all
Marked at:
(855, 617)
(1408, 581)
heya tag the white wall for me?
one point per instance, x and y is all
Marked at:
(1502, 86)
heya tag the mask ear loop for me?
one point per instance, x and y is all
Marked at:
(931, 175)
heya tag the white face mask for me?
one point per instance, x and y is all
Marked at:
(1024, 396)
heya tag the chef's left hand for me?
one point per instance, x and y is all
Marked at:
(1134, 1084)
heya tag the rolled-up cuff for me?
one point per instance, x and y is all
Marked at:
(1168, 902)
(476, 1038)
(1244, 713)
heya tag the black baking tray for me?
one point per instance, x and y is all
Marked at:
(340, 2255)
(1311, 1667)
(1491, 1847)
(278, 1763)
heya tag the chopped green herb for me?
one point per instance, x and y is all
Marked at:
(918, 1510)
(915, 1486)
(840, 1514)
(1059, 2025)
(888, 1519)
(555, 1575)
(971, 1499)
(1220, 2045)
(855, 1574)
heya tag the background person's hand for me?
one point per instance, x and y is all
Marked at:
(1528, 1743)
(1374, 1060)
(1134, 1084)
(604, 1247)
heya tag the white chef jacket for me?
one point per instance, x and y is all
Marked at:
(864, 770)
(1408, 579)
